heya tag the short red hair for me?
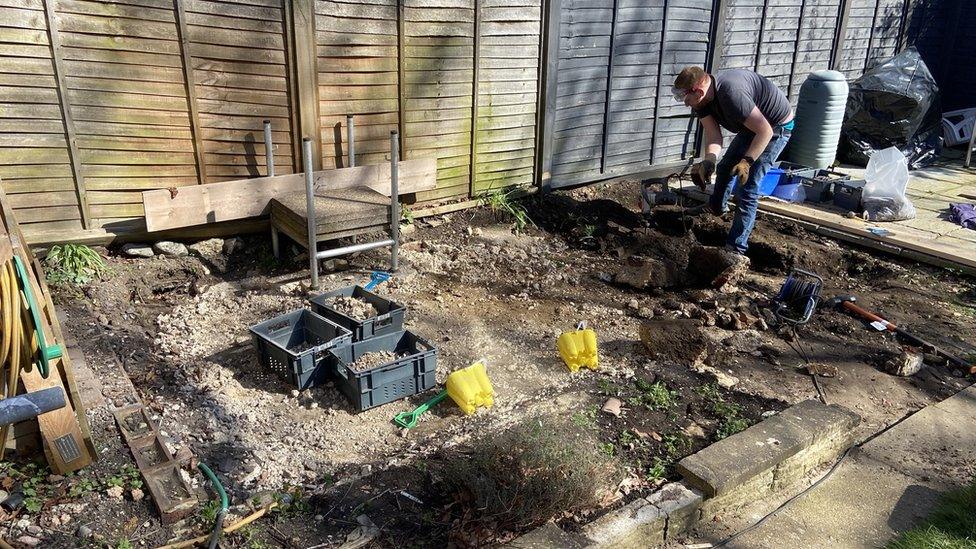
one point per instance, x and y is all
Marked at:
(689, 77)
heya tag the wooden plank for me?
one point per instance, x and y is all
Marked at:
(306, 61)
(244, 198)
(476, 78)
(66, 114)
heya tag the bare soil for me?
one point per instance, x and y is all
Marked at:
(177, 328)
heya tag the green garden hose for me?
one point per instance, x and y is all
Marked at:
(224, 504)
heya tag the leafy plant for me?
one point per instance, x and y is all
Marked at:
(653, 396)
(208, 513)
(406, 214)
(75, 264)
(729, 414)
(658, 469)
(123, 544)
(503, 202)
(81, 487)
(675, 445)
(608, 448)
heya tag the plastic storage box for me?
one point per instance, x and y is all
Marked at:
(389, 316)
(847, 194)
(818, 184)
(768, 183)
(294, 346)
(400, 378)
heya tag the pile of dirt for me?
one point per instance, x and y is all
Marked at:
(353, 307)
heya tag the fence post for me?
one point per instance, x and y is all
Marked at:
(720, 9)
(840, 34)
(69, 124)
(191, 92)
(609, 97)
(546, 110)
(306, 73)
(473, 173)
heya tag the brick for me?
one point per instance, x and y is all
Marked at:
(758, 487)
(637, 525)
(679, 504)
(733, 461)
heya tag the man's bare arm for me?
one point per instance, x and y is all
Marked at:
(757, 124)
(713, 138)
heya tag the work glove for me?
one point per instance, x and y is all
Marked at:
(742, 169)
(705, 169)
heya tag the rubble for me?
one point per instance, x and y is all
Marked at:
(165, 247)
(353, 307)
(906, 363)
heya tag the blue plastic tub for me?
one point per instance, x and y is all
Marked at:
(791, 190)
(768, 184)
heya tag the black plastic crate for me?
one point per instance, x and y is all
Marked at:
(389, 317)
(394, 380)
(294, 346)
(847, 195)
(819, 184)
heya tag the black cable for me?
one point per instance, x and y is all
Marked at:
(788, 502)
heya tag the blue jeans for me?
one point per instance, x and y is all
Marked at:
(747, 195)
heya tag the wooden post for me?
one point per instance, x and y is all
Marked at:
(759, 35)
(474, 99)
(401, 77)
(191, 94)
(288, 24)
(840, 33)
(68, 120)
(796, 47)
(720, 11)
(660, 68)
(546, 110)
(874, 24)
(306, 72)
(606, 102)
(903, 25)
(949, 43)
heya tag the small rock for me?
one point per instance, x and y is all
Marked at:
(822, 370)
(209, 248)
(166, 247)
(294, 393)
(633, 304)
(3, 495)
(34, 529)
(137, 250)
(84, 532)
(114, 492)
(768, 413)
(612, 406)
(137, 494)
(29, 541)
(694, 430)
(908, 363)
(232, 245)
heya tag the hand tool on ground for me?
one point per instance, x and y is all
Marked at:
(376, 278)
(664, 197)
(847, 302)
(30, 405)
(468, 387)
(798, 297)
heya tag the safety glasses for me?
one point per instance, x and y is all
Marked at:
(679, 94)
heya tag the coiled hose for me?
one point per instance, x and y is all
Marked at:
(17, 344)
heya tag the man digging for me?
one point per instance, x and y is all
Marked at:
(754, 109)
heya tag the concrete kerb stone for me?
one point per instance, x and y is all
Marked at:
(767, 457)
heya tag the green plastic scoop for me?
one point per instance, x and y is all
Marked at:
(408, 420)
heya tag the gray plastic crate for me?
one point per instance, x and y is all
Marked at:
(818, 184)
(294, 346)
(847, 195)
(389, 316)
(394, 380)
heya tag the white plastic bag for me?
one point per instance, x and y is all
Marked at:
(886, 179)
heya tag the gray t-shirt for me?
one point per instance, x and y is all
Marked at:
(737, 91)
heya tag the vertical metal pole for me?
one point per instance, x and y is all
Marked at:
(313, 261)
(394, 197)
(351, 140)
(268, 148)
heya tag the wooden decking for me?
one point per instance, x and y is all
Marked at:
(931, 237)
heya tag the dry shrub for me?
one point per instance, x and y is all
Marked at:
(535, 471)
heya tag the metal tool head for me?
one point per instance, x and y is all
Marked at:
(837, 301)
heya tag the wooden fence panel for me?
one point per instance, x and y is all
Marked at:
(358, 74)
(445, 30)
(127, 95)
(237, 51)
(36, 164)
(508, 55)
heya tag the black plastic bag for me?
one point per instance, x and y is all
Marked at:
(895, 104)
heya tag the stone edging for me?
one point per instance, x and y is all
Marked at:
(765, 458)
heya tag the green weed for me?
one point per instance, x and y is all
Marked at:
(729, 413)
(585, 418)
(406, 215)
(658, 470)
(74, 264)
(123, 544)
(653, 396)
(504, 202)
(608, 448)
(676, 445)
(951, 526)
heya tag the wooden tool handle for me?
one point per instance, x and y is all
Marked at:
(864, 313)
